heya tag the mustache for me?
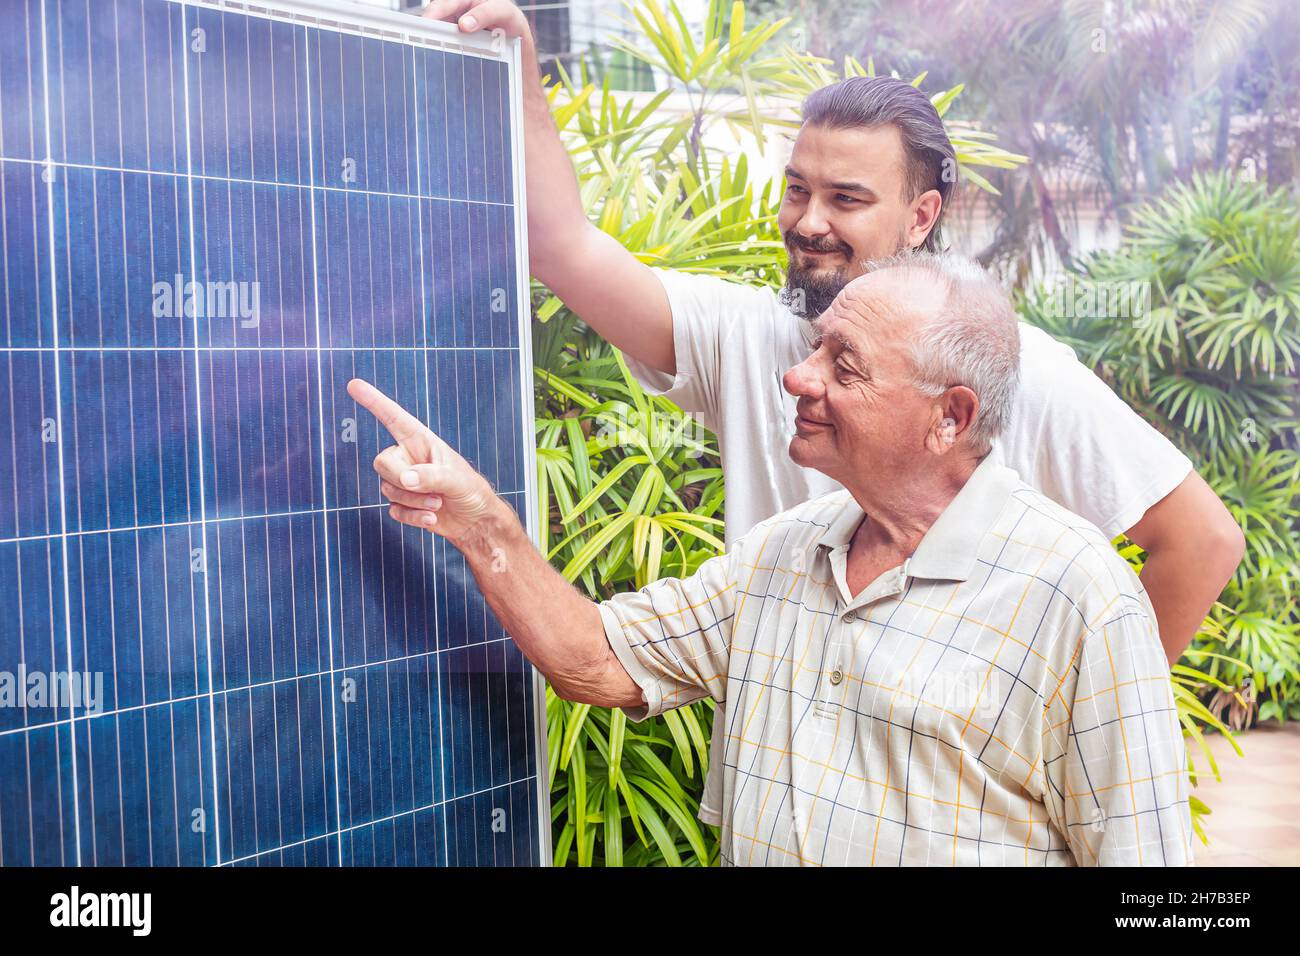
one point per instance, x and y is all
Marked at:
(795, 241)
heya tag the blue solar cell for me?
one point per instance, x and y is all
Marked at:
(26, 288)
(213, 219)
(247, 92)
(262, 232)
(37, 806)
(27, 380)
(22, 121)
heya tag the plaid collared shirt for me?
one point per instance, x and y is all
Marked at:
(1001, 698)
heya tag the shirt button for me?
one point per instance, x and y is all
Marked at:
(836, 676)
(850, 617)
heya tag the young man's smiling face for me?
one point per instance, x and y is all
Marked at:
(846, 201)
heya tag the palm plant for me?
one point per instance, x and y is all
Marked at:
(635, 492)
(1260, 627)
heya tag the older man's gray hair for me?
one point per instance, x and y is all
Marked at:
(974, 340)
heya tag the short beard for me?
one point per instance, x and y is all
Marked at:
(809, 293)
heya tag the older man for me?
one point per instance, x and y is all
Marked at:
(935, 665)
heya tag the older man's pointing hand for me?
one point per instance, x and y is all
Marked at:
(430, 486)
(434, 488)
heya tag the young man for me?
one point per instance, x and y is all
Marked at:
(935, 665)
(866, 179)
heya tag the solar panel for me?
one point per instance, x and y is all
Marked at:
(216, 648)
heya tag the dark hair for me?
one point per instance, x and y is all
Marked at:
(869, 101)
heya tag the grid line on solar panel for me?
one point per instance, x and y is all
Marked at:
(204, 534)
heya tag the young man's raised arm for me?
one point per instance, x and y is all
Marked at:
(590, 271)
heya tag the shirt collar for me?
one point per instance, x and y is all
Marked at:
(947, 551)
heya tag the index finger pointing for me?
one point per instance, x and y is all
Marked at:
(401, 424)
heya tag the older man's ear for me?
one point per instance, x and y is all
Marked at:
(951, 418)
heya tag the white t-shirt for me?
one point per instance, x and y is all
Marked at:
(1070, 436)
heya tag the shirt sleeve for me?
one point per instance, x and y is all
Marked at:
(1094, 454)
(1113, 752)
(673, 636)
(706, 311)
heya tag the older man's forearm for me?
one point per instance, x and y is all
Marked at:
(556, 628)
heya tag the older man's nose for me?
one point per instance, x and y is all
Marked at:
(803, 381)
